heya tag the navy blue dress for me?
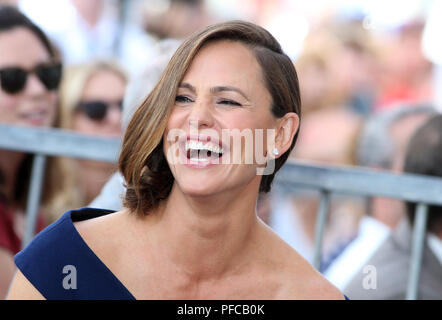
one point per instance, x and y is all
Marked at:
(61, 266)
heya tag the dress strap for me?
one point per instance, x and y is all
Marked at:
(61, 265)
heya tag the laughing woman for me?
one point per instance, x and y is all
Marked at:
(189, 229)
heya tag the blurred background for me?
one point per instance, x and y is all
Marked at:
(370, 74)
(371, 50)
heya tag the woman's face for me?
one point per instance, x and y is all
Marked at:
(34, 105)
(100, 111)
(219, 106)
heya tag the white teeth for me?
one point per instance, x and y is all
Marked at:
(33, 115)
(199, 145)
(199, 159)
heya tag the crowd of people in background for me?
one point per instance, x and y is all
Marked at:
(365, 91)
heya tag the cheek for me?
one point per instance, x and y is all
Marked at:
(177, 118)
(9, 107)
(83, 124)
(12, 105)
(254, 133)
(174, 129)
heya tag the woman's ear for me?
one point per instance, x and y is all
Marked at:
(287, 127)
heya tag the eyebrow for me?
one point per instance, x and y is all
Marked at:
(216, 89)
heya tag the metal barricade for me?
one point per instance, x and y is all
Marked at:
(52, 142)
(348, 180)
(423, 190)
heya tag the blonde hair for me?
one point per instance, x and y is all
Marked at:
(74, 81)
(72, 87)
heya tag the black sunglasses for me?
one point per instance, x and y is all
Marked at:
(97, 110)
(13, 79)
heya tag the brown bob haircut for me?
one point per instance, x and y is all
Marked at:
(142, 161)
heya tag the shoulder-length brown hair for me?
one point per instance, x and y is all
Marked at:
(142, 161)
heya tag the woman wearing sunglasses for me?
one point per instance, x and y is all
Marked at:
(91, 98)
(29, 77)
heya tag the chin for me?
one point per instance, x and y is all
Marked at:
(206, 185)
(197, 188)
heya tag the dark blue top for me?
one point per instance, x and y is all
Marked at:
(60, 265)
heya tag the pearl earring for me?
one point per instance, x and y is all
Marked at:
(275, 152)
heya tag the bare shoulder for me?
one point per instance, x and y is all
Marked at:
(109, 237)
(102, 230)
(298, 278)
(101, 222)
(305, 283)
(22, 289)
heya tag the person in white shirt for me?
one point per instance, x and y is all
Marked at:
(392, 259)
(381, 145)
(85, 30)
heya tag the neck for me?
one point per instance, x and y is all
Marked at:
(205, 238)
(10, 162)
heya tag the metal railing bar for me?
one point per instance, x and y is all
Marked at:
(58, 142)
(362, 181)
(321, 218)
(34, 195)
(346, 180)
(418, 242)
(424, 190)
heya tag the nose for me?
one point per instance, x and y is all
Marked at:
(113, 119)
(34, 87)
(201, 115)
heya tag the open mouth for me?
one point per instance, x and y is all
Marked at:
(203, 151)
(39, 117)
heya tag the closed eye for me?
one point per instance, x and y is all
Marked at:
(230, 102)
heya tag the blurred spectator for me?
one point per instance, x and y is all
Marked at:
(9, 2)
(406, 76)
(381, 145)
(82, 29)
(392, 259)
(313, 67)
(30, 73)
(337, 68)
(138, 88)
(327, 136)
(180, 19)
(91, 29)
(91, 97)
(388, 133)
(317, 144)
(432, 47)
